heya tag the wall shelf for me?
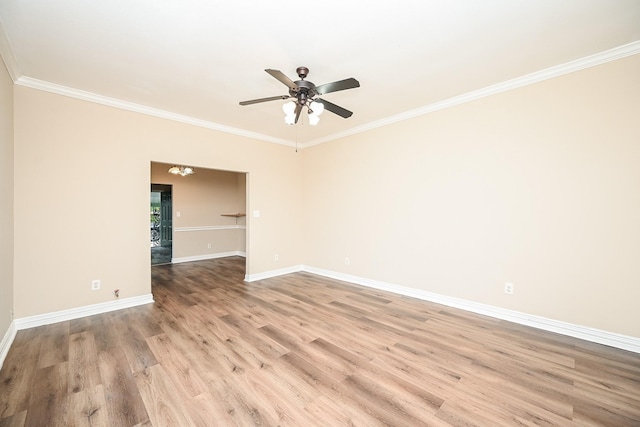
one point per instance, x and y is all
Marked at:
(234, 215)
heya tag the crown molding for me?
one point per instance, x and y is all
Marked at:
(616, 53)
(528, 79)
(138, 108)
(6, 52)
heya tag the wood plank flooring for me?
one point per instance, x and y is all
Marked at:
(302, 350)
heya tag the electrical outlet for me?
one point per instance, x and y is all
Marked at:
(276, 257)
(209, 245)
(347, 261)
(95, 285)
(508, 288)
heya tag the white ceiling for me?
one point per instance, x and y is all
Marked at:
(198, 59)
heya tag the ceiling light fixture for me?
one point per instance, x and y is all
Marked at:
(304, 95)
(181, 170)
(289, 109)
(314, 109)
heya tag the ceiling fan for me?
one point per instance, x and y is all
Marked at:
(305, 93)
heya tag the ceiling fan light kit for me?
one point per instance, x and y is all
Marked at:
(314, 110)
(305, 95)
(181, 170)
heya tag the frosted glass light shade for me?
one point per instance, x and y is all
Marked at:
(317, 107)
(289, 108)
(290, 119)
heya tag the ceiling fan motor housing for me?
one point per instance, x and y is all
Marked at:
(305, 90)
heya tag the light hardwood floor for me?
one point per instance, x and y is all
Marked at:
(302, 350)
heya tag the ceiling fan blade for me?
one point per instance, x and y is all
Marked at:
(298, 110)
(335, 109)
(336, 86)
(271, 98)
(284, 79)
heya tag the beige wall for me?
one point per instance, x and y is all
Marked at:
(6, 197)
(538, 186)
(82, 197)
(201, 199)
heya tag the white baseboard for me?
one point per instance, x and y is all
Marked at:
(577, 331)
(6, 342)
(207, 256)
(76, 313)
(272, 273)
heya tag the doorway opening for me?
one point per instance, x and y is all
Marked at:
(161, 227)
(208, 209)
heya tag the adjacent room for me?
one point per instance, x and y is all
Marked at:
(209, 207)
(404, 213)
